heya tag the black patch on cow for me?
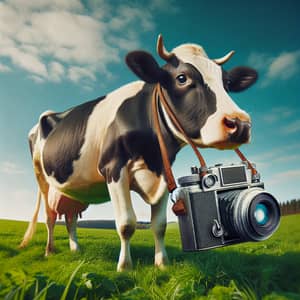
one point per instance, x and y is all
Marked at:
(47, 123)
(65, 140)
(130, 146)
(131, 136)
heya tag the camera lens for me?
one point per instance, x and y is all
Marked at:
(261, 214)
(249, 214)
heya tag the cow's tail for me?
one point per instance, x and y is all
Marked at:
(32, 225)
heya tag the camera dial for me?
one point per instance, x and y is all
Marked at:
(209, 180)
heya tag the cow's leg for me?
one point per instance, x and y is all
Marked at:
(125, 217)
(152, 189)
(158, 225)
(71, 222)
(50, 223)
(51, 216)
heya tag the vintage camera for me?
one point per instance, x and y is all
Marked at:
(227, 205)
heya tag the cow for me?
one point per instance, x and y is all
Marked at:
(105, 148)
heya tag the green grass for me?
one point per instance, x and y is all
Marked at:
(266, 270)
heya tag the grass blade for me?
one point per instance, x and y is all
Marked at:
(12, 294)
(43, 292)
(66, 290)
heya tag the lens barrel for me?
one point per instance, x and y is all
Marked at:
(251, 214)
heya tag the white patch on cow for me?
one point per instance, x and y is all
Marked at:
(33, 130)
(145, 182)
(213, 131)
(188, 50)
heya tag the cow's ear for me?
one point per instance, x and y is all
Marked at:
(145, 66)
(240, 78)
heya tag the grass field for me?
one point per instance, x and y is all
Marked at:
(265, 270)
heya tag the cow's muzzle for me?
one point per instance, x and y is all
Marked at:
(239, 131)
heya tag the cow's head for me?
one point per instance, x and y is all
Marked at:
(197, 89)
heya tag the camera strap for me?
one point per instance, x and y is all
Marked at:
(178, 207)
(158, 95)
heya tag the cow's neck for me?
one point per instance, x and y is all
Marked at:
(132, 136)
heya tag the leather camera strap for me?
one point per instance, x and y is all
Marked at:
(171, 183)
(243, 158)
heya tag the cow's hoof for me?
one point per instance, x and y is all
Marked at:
(161, 266)
(74, 248)
(125, 266)
(161, 262)
(22, 245)
(49, 252)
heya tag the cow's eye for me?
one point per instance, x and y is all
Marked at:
(181, 79)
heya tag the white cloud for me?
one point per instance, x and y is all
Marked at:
(259, 60)
(165, 6)
(73, 5)
(56, 71)
(278, 113)
(286, 118)
(290, 175)
(278, 155)
(10, 168)
(291, 127)
(285, 65)
(4, 68)
(25, 60)
(131, 15)
(78, 73)
(127, 44)
(37, 79)
(288, 158)
(70, 37)
(282, 67)
(48, 37)
(10, 20)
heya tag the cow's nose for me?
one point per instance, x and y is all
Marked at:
(238, 131)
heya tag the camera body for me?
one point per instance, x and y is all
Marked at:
(227, 205)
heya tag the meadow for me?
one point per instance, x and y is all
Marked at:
(266, 270)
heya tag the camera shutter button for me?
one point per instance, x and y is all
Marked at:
(217, 229)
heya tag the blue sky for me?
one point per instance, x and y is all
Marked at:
(58, 53)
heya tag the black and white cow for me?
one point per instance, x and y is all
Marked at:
(105, 148)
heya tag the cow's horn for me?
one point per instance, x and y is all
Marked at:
(161, 50)
(224, 59)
